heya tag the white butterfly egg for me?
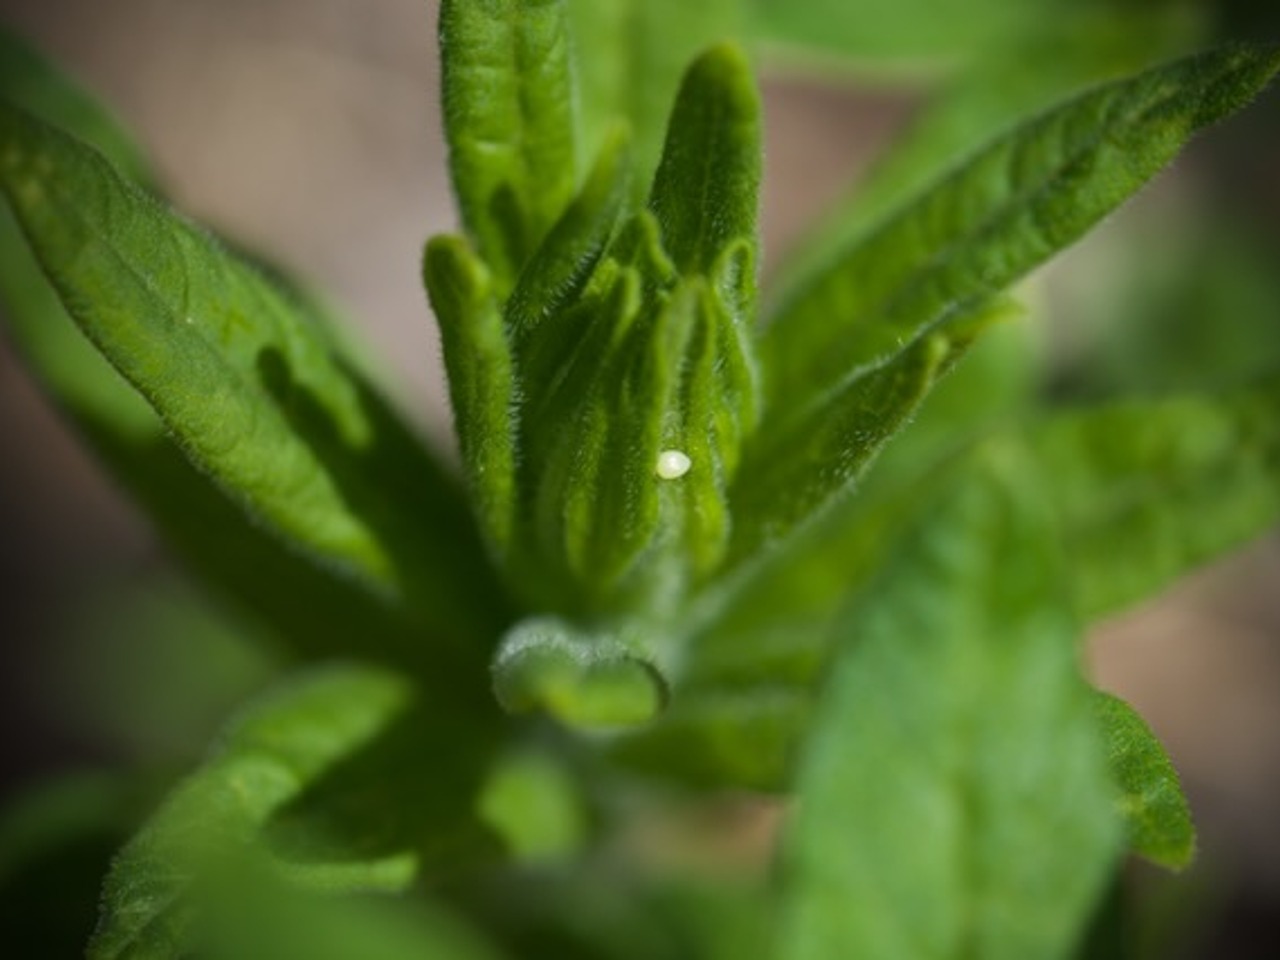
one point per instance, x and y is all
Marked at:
(672, 464)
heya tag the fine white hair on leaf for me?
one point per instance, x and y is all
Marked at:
(672, 464)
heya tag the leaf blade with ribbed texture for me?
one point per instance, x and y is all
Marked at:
(706, 191)
(1146, 490)
(508, 94)
(1025, 196)
(310, 610)
(269, 757)
(800, 466)
(997, 91)
(246, 384)
(482, 381)
(954, 786)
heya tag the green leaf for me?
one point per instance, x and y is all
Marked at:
(1017, 201)
(509, 98)
(1150, 795)
(923, 36)
(482, 381)
(754, 644)
(212, 319)
(706, 191)
(597, 499)
(1126, 480)
(248, 387)
(772, 623)
(1000, 89)
(597, 911)
(582, 680)
(633, 370)
(912, 30)
(799, 466)
(268, 759)
(631, 55)
(256, 919)
(1147, 490)
(639, 348)
(954, 799)
(530, 799)
(311, 610)
(405, 802)
(716, 737)
(557, 275)
(714, 413)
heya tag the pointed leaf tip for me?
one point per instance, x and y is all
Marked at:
(706, 191)
(1149, 794)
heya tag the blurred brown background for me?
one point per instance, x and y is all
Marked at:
(309, 130)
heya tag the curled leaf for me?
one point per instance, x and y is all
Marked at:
(582, 680)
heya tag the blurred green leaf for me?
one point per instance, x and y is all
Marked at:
(1155, 811)
(1154, 307)
(257, 919)
(922, 31)
(403, 803)
(742, 735)
(153, 668)
(1021, 198)
(509, 100)
(268, 759)
(924, 37)
(532, 802)
(56, 842)
(603, 910)
(631, 55)
(247, 385)
(719, 918)
(1147, 490)
(954, 799)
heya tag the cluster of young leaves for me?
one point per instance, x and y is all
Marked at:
(897, 645)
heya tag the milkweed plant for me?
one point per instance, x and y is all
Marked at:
(687, 553)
